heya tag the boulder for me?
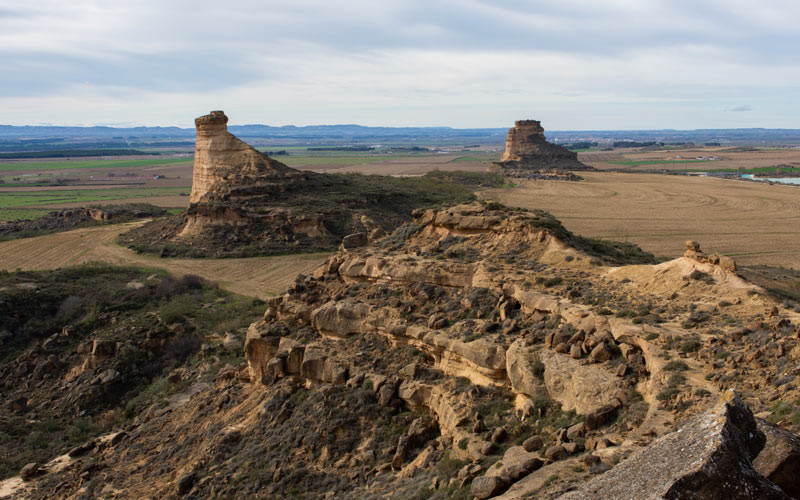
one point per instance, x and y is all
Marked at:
(313, 366)
(276, 368)
(578, 386)
(601, 416)
(576, 431)
(354, 240)
(487, 487)
(334, 373)
(709, 458)
(30, 471)
(600, 353)
(779, 461)
(515, 464)
(259, 348)
(554, 453)
(533, 443)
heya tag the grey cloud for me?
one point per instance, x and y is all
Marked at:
(740, 109)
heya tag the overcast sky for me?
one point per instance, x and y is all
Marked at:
(574, 64)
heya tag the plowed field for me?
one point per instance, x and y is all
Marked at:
(256, 277)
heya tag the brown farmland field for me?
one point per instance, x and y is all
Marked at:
(754, 223)
(256, 277)
(416, 165)
(686, 159)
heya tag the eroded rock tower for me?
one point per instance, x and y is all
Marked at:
(528, 149)
(220, 158)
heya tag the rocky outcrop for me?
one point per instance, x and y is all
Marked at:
(578, 386)
(222, 160)
(779, 461)
(228, 173)
(694, 252)
(244, 203)
(528, 152)
(707, 459)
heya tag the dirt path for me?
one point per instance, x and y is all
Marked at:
(255, 277)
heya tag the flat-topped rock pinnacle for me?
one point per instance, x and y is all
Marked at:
(527, 149)
(221, 159)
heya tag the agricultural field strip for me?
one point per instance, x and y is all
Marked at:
(12, 199)
(259, 277)
(83, 164)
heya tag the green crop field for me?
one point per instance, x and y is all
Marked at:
(82, 164)
(11, 214)
(22, 199)
(477, 157)
(350, 159)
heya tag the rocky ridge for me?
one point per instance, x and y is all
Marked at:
(479, 351)
(596, 366)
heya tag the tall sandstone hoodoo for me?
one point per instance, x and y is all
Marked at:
(528, 150)
(244, 203)
(221, 159)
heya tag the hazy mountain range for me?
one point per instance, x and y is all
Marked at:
(358, 133)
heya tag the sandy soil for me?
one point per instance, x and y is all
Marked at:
(256, 277)
(755, 223)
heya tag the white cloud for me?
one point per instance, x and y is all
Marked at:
(574, 64)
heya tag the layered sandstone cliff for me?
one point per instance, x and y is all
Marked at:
(527, 150)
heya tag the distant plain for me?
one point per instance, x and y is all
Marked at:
(753, 222)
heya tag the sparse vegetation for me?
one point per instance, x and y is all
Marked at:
(72, 306)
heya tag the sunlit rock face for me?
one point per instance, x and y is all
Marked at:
(220, 158)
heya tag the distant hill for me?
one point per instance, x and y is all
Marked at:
(358, 133)
(262, 131)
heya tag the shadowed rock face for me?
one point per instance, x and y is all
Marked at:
(780, 459)
(709, 458)
(220, 158)
(527, 149)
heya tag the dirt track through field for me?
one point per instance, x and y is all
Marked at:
(255, 277)
(755, 223)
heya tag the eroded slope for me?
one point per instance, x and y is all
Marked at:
(478, 351)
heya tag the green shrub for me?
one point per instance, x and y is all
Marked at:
(690, 346)
(667, 394)
(676, 366)
(554, 281)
